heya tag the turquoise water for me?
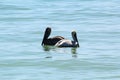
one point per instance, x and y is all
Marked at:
(22, 25)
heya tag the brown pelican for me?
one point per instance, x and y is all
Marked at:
(68, 43)
(50, 41)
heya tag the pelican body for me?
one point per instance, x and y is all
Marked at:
(50, 41)
(68, 43)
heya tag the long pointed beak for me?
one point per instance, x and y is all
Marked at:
(42, 42)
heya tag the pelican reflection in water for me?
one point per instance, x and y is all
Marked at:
(47, 49)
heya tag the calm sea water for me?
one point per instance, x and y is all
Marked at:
(22, 25)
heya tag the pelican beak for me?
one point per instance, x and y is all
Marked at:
(42, 43)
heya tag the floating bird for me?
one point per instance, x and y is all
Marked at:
(69, 43)
(50, 41)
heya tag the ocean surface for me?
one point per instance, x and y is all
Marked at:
(22, 26)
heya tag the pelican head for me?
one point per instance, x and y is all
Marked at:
(74, 36)
(46, 34)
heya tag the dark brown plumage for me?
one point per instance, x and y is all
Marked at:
(50, 41)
